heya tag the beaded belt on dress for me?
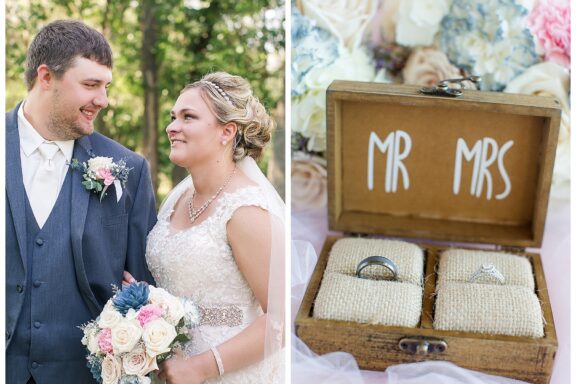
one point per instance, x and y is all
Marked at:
(224, 315)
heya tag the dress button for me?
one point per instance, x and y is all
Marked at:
(34, 365)
(36, 324)
(37, 283)
(39, 241)
(19, 288)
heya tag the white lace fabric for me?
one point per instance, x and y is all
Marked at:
(198, 263)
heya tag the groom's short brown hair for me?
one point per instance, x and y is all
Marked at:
(59, 43)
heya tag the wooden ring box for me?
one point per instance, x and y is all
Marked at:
(476, 169)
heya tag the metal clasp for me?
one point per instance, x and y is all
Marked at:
(422, 346)
(442, 87)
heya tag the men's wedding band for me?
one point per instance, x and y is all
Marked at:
(487, 270)
(377, 260)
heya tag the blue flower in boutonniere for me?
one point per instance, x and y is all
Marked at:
(101, 172)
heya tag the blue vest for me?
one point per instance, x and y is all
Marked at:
(46, 341)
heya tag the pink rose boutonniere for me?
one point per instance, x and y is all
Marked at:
(101, 172)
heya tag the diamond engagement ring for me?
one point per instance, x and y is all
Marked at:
(487, 272)
(377, 260)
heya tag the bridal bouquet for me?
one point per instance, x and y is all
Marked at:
(139, 327)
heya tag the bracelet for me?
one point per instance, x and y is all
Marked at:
(218, 360)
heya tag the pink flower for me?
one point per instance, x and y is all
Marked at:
(105, 340)
(550, 24)
(148, 313)
(106, 175)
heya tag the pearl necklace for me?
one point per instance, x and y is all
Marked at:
(194, 213)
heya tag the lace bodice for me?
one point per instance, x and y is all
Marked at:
(198, 263)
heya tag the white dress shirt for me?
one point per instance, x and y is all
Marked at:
(31, 158)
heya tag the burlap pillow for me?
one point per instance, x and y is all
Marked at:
(490, 309)
(348, 298)
(461, 264)
(347, 253)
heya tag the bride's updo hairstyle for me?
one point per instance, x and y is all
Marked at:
(231, 100)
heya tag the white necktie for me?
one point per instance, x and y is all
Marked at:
(45, 184)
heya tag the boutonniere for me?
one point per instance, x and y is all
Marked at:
(101, 172)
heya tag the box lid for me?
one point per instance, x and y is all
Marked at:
(476, 168)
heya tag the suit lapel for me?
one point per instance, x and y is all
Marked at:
(14, 184)
(80, 200)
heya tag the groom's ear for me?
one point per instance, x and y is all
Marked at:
(229, 131)
(45, 76)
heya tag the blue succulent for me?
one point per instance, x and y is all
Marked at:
(95, 365)
(134, 296)
(131, 379)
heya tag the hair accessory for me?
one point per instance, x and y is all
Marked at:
(218, 360)
(378, 260)
(487, 270)
(220, 91)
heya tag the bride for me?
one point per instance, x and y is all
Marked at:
(220, 237)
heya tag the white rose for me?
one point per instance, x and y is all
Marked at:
(413, 22)
(126, 335)
(427, 66)
(350, 65)
(111, 369)
(99, 162)
(172, 306)
(109, 317)
(550, 79)
(309, 182)
(138, 362)
(309, 119)
(158, 335)
(347, 20)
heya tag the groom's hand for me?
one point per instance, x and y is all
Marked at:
(127, 279)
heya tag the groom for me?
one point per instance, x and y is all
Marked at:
(64, 247)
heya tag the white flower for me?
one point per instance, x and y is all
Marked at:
(309, 111)
(427, 66)
(99, 162)
(550, 79)
(111, 369)
(126, 335)
(309, 181)
(90, 339)
(418, 21)
(346, 20)
(309, 118)
(109, 317)
(171, 305)
(158, 335)
(138, 362)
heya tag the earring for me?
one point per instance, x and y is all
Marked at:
(224, 142)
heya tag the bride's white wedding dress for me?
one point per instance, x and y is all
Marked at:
(198, 263)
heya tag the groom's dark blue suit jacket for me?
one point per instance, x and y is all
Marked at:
(52, 287)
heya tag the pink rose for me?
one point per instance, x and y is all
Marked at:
(105, 340)
(550, 24)
(106, 175)
(148, 313)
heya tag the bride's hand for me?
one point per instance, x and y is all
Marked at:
(127, 279)
(188, 370)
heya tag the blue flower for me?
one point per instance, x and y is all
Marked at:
(95, 365)
(134, 296)
(488, 38)
(312, 47)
